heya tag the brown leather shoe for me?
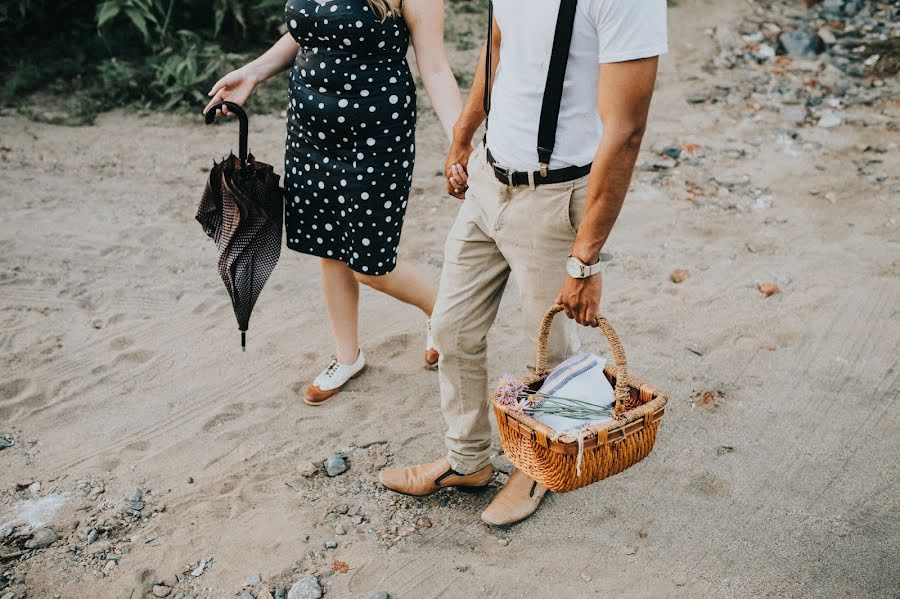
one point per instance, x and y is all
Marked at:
(431, 358)
(425, 479)
(518, 499)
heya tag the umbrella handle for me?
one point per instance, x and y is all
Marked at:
(242, 117)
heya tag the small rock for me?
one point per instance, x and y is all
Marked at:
(585, 577)
(306, 469)
(253, 579)
(305, 588)
(190, 480)
(680, 580)
(423, 522)
(135, 495)
(462, 568)
(830, 120)
(34, 488)
(672, 152)
(263, 593)
(5, 443)
(41, 539)
(201, 566)
(245, 595)
(335, 465)
(357, 519)
(340, 529)
(330, 544)
(8, 596)
(161, 590)
(382, 595)
(723, 449)
(827, 36)
(801, 44)
(280, 593)
(503, 542)
(91, 535)
(679, 275)
(630, 550)
(768, 289)
(795, 114)
(697, 98)
(137, 505)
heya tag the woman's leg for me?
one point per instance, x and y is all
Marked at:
(341, 291)
(405, 283)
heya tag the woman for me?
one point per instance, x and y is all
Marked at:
(350, 150)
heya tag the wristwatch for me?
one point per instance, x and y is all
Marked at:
(579, 270)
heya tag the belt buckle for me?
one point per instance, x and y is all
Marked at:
(504, 171)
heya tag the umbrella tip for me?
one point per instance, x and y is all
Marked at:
(243, 341)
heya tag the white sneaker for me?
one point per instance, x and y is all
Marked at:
(332, 379)
(431, 354)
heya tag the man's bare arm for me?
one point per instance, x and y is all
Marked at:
(623, 99)
(469, 121)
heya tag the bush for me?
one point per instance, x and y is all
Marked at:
(119, 52)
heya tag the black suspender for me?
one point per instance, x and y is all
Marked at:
(553, 88)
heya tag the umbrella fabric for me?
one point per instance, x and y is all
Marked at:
(241, 210)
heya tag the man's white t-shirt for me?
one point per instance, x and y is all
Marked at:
(605, 31)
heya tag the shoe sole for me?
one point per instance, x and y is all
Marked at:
(464, 488)
(316, 404)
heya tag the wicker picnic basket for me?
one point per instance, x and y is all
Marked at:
(568, 461)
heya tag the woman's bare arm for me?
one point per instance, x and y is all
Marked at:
(425, 20)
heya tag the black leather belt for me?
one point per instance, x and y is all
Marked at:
(517, 178)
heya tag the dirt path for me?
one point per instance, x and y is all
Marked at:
(775, 473)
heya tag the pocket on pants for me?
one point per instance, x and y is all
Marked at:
(572, 211)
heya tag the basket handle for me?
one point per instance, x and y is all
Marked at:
(540, 366)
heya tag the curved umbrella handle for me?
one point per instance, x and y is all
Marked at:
(242, 117)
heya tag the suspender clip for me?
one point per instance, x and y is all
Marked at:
(544, 169)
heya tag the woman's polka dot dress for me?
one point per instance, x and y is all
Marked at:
(350, 134)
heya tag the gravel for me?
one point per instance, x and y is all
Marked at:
(335, 465)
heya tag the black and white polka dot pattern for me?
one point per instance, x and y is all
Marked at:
(350, 134)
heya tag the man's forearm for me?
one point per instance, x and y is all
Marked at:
(473, 115)
(607, 185)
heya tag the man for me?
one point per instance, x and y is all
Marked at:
(543, 220)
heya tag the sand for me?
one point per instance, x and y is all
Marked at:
(775, 472)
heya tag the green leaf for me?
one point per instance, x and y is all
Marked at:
(106, 11)
(137, 18)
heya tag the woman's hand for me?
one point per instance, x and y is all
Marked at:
(235, 87)
(456, 169)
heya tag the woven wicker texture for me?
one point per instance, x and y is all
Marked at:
(568, 461)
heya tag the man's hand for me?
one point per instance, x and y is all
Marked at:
(581, 299)
(455, 169)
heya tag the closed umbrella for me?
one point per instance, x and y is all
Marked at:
(242, 210)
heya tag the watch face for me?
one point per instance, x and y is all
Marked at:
(573, 267)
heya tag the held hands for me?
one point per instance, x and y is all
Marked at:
(235, 87)
(581, 299)
(455, 169)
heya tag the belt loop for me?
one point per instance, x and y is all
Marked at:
(531, 185)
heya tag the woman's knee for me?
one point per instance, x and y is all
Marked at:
(369, 280)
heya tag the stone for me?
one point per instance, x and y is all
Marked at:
(161, 590)
(8, 595)
(280, 593)
(34, 488)
(305, 588)
(135, 495)
(795, 114)
(41, 539)
(5, 443)
(306, 469)
(245, 595)
(137, 505)
(503, 542)
(697, 98)
(679, 275)
(91, 535)
(672, 152)
(330, 544)
(830, 120)
(800, 44)
(585, 577)
(382, 595)
(768, 289)
(335, 465)
(253, 579)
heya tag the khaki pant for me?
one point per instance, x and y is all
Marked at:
(500, 230)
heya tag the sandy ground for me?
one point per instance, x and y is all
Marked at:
(121, 370)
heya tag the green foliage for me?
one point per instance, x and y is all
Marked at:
(159, 53)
